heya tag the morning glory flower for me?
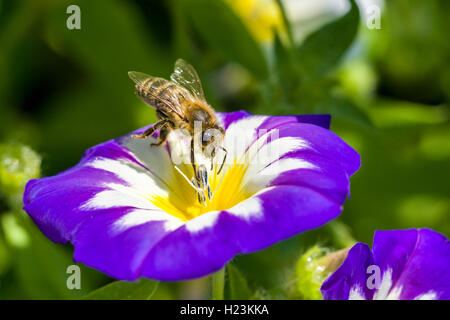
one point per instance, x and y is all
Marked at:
(130, 209)
(408, 264)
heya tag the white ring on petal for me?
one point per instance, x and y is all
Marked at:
(134, 175)
(157, 159)
(256, 181)
(206, 220)
(116, 196)
(240, 135)
(138, 217)
(249, 209)
(274, 150)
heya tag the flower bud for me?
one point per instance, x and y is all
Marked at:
(313, 267)
(18, 164)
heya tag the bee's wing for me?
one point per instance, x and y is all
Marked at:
(170, 100)
(138, 77)
(185, 75)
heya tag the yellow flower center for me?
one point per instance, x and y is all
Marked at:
(182, 201)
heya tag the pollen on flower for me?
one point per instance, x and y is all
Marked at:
(227, 190)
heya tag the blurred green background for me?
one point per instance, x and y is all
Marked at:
(388, 90)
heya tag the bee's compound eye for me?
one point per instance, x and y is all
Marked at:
(206, 138)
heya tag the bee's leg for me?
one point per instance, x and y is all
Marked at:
(151, 130)
(160, 115)
(213, 154)
(193, 157)
(198, 173)
(224, 159)
(195, 179)
(165, 129)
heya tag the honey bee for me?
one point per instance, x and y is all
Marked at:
(180, 104)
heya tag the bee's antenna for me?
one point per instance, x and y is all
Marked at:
(224, 158)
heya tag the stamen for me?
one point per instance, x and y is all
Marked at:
(203, 198)
(199, 198)
(205, 178)
(199, 184)
(198, 176)
(209, 193)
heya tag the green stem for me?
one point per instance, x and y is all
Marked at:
(286, 23)
(341, 234)
(218, 284)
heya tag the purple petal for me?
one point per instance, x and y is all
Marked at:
(321, 120)
(419, 260)
(326, 176)
(350, 278)
(191, 252)
(118, 252)
(324, 142)
(283, 212)
(254, 224)
(54, 202)
(324, 161)
(413, 264)
(229, 118)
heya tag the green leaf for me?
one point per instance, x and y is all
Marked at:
(322, 49)
(239, 289)
(391, 113)
(40, 265)
(225, 32)
(123, 290)
(286, 22)
(104, 91)
(284, 57)
(5, 257)
(286, 69)
(340, 233)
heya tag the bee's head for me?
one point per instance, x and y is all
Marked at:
(212, 139)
